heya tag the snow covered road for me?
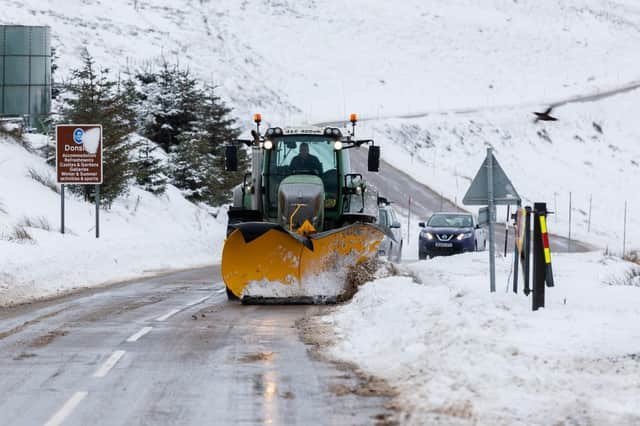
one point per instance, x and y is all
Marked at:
(169, 350)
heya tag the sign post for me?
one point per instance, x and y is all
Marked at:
(79, 160)
(491, 187)
(490, 201)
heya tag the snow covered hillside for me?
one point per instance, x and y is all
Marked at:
(141, 234)
(592, 152)
(460, 355)
(313, 60)
(319, 59)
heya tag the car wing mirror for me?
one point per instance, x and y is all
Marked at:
(231, 158)
(374, 158)
(421, 224)
(395, 225)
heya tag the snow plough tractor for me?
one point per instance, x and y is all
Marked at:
(302, 219)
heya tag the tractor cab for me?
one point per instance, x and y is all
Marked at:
(303, 166)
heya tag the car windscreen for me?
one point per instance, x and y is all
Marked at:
(450, 221)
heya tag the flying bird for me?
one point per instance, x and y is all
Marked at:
(544, 116)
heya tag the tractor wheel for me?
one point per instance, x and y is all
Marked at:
(230, 295)
(399, 257)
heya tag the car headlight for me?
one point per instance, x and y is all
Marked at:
(427, 235)
(464, 235)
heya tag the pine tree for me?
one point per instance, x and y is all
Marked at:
(172, 99)
(221, 130)
(193, 166)
(92, 98)
(148, 169)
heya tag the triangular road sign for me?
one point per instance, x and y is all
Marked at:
(503, 190)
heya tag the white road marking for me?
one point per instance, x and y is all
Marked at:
(175, 311)
(109, 364)
(168, 315)
(197, 302)
(66, 409)
(139, 334)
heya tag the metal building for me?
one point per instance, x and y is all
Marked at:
(25, 72)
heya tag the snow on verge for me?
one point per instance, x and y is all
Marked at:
(141, 234)
(460, 355)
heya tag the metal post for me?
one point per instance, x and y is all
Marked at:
(97, 211)
(506, 230)
(409, 223)
(441, 201)
(526, 265)
(624, 232)
(62, 208)
(492, 249)
(569, 242)
(589, 223)
(539, 265)
(515, 255)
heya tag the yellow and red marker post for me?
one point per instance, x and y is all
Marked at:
(547, 252)
(541, 256)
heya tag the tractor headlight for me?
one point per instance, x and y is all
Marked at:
(268, 144)
(337, 145)
(464, 235)
(358, 190)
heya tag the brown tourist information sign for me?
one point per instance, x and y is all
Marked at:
(79, 154)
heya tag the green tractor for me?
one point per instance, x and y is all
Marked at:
(301, 218)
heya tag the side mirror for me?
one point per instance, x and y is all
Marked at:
(231, 158)
(374, 158)
(395, 225)
(477, 226)
(421, 224)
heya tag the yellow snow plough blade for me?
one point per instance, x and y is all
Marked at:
(264, 263)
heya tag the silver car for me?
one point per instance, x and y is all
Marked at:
(391, 245)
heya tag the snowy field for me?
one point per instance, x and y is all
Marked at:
(141, 234)
(460, 355)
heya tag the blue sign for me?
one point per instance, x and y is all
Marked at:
(77, 136)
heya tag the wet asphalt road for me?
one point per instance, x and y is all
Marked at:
(397, 185)
(167, 350)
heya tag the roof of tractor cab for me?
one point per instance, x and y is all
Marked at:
(309, 130)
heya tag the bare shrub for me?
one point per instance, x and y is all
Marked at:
(3, 209)
(43, 178)
(633, 256)
(629, 278)
(39, 222)
(12, 131)
(18, 234)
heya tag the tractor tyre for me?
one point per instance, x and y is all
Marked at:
(230, 295)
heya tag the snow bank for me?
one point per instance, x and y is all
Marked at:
(460, 355)
(141, 234)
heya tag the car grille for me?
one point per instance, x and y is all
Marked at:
(444, 237)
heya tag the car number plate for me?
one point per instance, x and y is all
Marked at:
(444, 244)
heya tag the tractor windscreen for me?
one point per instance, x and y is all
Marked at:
(302, 154)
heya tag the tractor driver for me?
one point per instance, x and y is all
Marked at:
(305, 161)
